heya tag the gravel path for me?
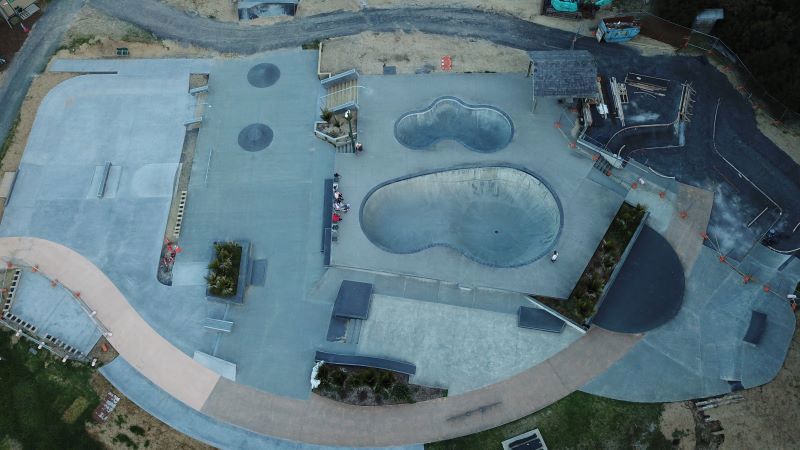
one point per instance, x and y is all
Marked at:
(32, 59)
(170, 23)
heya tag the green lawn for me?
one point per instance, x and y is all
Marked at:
(578, 421)
(37, 389)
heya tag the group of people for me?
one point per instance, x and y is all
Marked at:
(339, 206)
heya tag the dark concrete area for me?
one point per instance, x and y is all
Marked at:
(263, 75)
(255, 137)
(648, 289)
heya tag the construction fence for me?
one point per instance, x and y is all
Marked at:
(720, 54)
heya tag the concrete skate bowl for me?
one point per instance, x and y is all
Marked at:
(255, 137)
(480, 128)
(263, 75)
(499, 216)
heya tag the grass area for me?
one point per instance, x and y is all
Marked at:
(77, 41)
(9, 138)
(582, 302)
(135, 34)
(39, 393)
(578, 421)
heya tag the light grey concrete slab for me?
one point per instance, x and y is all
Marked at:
(54, 311)
(686, 357)
(273, 198)
(135, 122)
(134, 67)
(454, 347)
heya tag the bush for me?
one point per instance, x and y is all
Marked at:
(401, 393)
(137, 430)
(223, 275)
(325, 115)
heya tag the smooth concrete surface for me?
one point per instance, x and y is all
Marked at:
(54, 311)
(496, 215)
(455, 347)
(537, 145)
(274, 199)
(480, 128)
(686, 357)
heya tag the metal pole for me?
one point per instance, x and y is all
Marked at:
(348, 116)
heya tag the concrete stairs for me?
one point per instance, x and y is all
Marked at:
(341, 92)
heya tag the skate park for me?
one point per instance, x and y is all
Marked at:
(259, 174)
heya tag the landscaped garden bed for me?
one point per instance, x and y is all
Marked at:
(369, 386)
(226, 272)
(583, 301)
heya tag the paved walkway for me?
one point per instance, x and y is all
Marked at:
(170, 23)
(151, 354)
(317, 420)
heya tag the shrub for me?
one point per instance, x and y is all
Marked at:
(401, 393)
(325, 114)
(137, 430)
(223, 275)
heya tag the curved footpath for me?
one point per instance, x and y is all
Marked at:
(318, 420)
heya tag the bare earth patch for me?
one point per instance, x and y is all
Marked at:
(139, 426)
(409, 52)
(677, 422)
(769, 415)
(96, 35)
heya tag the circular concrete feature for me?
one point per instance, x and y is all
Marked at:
(263, 75)
(255, 137)
(499, 216)
(480, 128)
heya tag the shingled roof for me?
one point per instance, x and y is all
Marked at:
(564, 73)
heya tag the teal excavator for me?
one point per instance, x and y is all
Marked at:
(574, 7)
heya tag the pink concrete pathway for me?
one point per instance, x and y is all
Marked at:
(317, 420)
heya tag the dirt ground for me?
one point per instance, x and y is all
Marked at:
(769, 415)
(677, 422)
(409, 52)
(96, 35)
(224, 10)
(127, 415)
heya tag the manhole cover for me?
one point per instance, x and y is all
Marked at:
(263, 75)
(255, 137)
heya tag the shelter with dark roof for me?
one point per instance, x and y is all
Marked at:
(564, 74)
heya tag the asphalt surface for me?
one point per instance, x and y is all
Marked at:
(32, 58)
(648, 290)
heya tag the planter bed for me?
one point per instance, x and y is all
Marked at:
(367, 386)
(584, 300)
(240, 254)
